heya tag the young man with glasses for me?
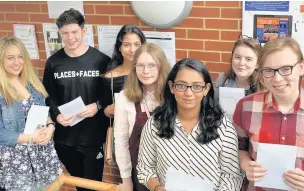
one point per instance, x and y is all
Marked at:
(71, 72)
(273, 116)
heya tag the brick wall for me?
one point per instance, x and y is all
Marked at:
(207, 34)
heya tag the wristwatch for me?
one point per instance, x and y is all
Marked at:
(53, 125)
(98, 105)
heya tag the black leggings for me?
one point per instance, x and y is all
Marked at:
(2, 189)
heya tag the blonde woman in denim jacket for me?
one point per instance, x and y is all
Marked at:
(26, 161)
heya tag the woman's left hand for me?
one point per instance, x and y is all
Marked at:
(295, 179)
(48, 134)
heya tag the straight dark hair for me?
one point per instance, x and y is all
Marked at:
(117, 58)
(210, 116)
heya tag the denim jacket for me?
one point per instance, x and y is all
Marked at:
(12, 118)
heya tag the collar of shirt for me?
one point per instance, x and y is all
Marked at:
(195, 129)
(232, 83)
(271, 103)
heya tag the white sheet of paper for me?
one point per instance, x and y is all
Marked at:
(268, 155)
(37, 115)
(180, 181)
(229, 97)
(72, 108)
(165, 40)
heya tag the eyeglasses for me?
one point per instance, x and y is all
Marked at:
(250, 38)
(184, 87)
(141, 67)
(283, 71)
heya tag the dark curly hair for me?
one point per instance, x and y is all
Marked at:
(211, 114)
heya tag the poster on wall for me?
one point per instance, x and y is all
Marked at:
(269, 27)
(26, 33)
(89, 36)
(267, 24)
(281, 6)
(55, 8)
(53, 41)
(165, 40)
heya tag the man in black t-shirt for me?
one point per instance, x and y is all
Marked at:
(71, 72)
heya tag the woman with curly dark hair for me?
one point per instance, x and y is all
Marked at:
(189, 133)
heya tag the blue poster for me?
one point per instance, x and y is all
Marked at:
(280, 6)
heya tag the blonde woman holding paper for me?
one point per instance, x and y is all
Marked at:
(21, 165)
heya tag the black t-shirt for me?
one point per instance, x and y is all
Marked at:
(66, 78)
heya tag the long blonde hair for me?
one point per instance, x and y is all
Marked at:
(133, 88)
(277, 45)
(27, 74)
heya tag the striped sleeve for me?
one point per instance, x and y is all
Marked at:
(147, 156)
(231, 175)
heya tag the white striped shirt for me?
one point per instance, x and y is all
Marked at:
(216, 161)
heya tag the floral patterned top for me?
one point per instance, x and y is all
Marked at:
(28, 167)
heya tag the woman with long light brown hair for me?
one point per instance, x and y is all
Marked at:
(141, 94)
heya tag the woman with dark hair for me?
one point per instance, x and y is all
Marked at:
(243, 64)
(128, 40)
(190, 133)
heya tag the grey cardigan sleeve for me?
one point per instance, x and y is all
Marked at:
(218, 83)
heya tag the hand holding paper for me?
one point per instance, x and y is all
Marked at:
(37, 116)
(276, 159)
(71, 109)
(255, 172)
(44, 136)
(295, 179)
(65, 120)
(90, 111)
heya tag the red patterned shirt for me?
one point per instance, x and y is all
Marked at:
(258, 120)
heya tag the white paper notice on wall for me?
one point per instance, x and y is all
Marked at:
(89, 36)
(56, 8)
(165, 40)
(26, 33)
